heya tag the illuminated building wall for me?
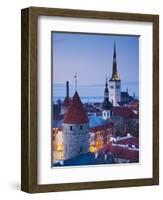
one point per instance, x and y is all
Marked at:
(98, 137)
(57, 144)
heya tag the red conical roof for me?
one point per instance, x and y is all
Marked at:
(76, 113)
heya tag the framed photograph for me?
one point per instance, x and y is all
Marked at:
(90, 99)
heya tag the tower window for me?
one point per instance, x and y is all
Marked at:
(111, 87)
(81, 127)
(70, 128)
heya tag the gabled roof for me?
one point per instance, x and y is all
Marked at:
(128, 140)
(76, 113)
(124, 111)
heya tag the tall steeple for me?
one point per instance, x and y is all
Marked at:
(106, 92)
(115, 83)
(115, 76)
(106, 104)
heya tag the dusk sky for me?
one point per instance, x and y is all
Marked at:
(91, 57)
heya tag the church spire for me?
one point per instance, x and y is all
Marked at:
(115, 76)
(106, 84)
(114, 55)
(106, 104)
(106, 91)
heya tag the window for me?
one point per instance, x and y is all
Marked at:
(118, 87)
(111, 87)
(70, 128)
(105, 114)
(81, 127)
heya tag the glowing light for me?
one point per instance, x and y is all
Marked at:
(92, 149)
(58, 147)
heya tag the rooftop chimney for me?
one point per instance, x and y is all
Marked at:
(67, 89)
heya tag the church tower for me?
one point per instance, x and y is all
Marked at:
(106, 106)
(115, 82)
(75, 129)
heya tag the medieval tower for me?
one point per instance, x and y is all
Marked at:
(75, 129)
(115, 83)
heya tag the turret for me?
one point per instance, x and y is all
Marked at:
(75, 129)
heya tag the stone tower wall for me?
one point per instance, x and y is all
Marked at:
(115, 92)
(75, 140)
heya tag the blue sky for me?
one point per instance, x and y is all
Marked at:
(91, 56)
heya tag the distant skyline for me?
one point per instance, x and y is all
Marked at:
(91, 57)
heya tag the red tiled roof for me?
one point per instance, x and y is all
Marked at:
(66, 102)
(121, 151)
(76, 113)
(134, 104)
(125, 112)
(126, 153)
(129, 141)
